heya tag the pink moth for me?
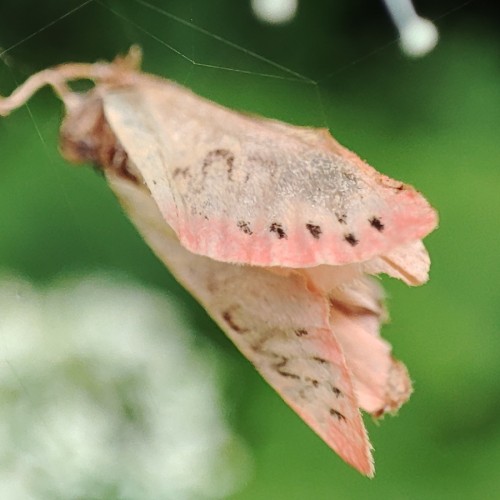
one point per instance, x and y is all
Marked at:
(274, 228)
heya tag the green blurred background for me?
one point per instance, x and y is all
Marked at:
(433, 123)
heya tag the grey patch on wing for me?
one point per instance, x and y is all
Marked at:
(327, 181)
(216, 155)
(181, 171)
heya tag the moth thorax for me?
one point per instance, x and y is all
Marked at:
(86, 136)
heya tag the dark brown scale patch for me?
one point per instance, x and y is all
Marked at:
(351, 239)
(279, 368)
(117, 159)
(337, 415)
(313, 381)
(314, 230)
(375, 222)
(98, 144)
(320, 360)
(125, 172)
(178, 171)
(219, 154)
(228, 318)
(301, 332)
(244, 226)
(277, 228)
(400, 187)
(85, 150)
(342, 218)
(336, 391)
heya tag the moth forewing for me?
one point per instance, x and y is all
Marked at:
(243, 189)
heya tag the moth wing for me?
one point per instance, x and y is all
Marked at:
(248, 190)
(357, 311)
(381, 383)
(275, 320)
(409, 262)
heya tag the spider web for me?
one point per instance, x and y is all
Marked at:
(310, 83)
(179, 43)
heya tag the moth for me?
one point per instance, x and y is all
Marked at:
(274, 228)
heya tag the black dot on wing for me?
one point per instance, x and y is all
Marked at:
(337, 415)
(301, 332)
(313, 381)
(277, 229)
(351, 239)
(342, 218)
(376, 223)
(336, 391)
(323, 361)
(315, 230)
(245, 227)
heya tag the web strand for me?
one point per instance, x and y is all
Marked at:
(299, 78)
(229, 43)
(46, 27)
(293, 75)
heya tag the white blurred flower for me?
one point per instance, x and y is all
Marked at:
(102, 395)
(275, 11)
(418, 36)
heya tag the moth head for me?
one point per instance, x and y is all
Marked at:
(87, 137)
(81, 133)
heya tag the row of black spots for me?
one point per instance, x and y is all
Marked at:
(277, 229)
(244, 226)
(228, 318)
(219, 154)
(351, 239)
(337, 415)
(376, 223)
(315, 230)
(315, 383)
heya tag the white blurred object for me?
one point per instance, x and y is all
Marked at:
(103, 394)
(275, 11)
(418, 35)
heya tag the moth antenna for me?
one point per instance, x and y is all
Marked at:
(58, 77)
